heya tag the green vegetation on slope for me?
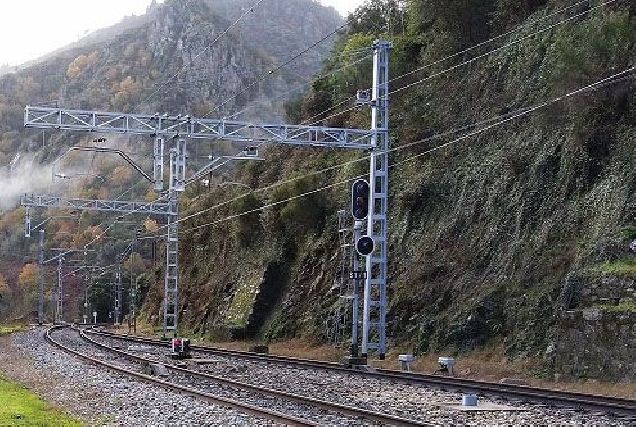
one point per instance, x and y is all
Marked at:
(483, 232)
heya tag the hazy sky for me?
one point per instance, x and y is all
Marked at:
(31, 29)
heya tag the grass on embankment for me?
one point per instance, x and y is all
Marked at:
(20, 407)
(9, 329)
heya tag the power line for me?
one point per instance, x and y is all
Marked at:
(470, 61)
(208, 47)
(277, 68)
(522, 113)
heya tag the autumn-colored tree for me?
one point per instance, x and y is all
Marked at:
(29, 276)
(151, 225)
(79, 64)
(5, 297)
(121, 175)
(28, 280)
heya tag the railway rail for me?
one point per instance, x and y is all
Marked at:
(192, 382)
(544, 396)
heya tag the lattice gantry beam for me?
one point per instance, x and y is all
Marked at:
(190, 127)
(118, 206)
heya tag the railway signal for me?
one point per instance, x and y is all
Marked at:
(364, 245)
(360, 199)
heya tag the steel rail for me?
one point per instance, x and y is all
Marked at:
(539, 395)
(221, 401)
(382, 418)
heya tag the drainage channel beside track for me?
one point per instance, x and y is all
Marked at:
(279, 406)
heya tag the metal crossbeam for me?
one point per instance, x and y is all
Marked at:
(190, 127)
(118, 206)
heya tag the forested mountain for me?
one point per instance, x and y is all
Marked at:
(178, 58)
(511, 179)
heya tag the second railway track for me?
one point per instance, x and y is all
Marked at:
(285, 407)
(402, 394)
(550, 397)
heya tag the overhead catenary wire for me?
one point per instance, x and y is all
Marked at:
(461, 64)
(603, 82)
(432, 76)
(466, 62)
(277, 68)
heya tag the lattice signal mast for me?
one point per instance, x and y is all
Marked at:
(176, 129)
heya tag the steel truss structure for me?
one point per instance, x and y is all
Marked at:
(193, 128)
(158, 208)
(116, 206)
(178, 128)
(375, 285)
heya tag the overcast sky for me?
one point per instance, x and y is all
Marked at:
(31, 29)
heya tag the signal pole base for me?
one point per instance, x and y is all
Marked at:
(355, 362)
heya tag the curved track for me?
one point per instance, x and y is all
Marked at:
(183, 380)
(538, 395)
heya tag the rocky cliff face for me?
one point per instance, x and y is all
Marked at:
(306, 23)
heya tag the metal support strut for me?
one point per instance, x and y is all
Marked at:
(118, 292)
(41, 284)
(171, 291)
(375, 287)
(58, 292)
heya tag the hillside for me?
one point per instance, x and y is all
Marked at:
(174, 59)
(486, 232)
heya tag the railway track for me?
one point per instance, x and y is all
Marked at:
(543, 396)
(279, 406)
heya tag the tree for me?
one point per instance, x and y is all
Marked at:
(378, 16)
(151, 225)
(28, 280)
(29, 277)
(5, 296)
(79, 64)
(468, 21)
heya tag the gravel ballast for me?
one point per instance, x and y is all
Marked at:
(418, 402)
(104, 398)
